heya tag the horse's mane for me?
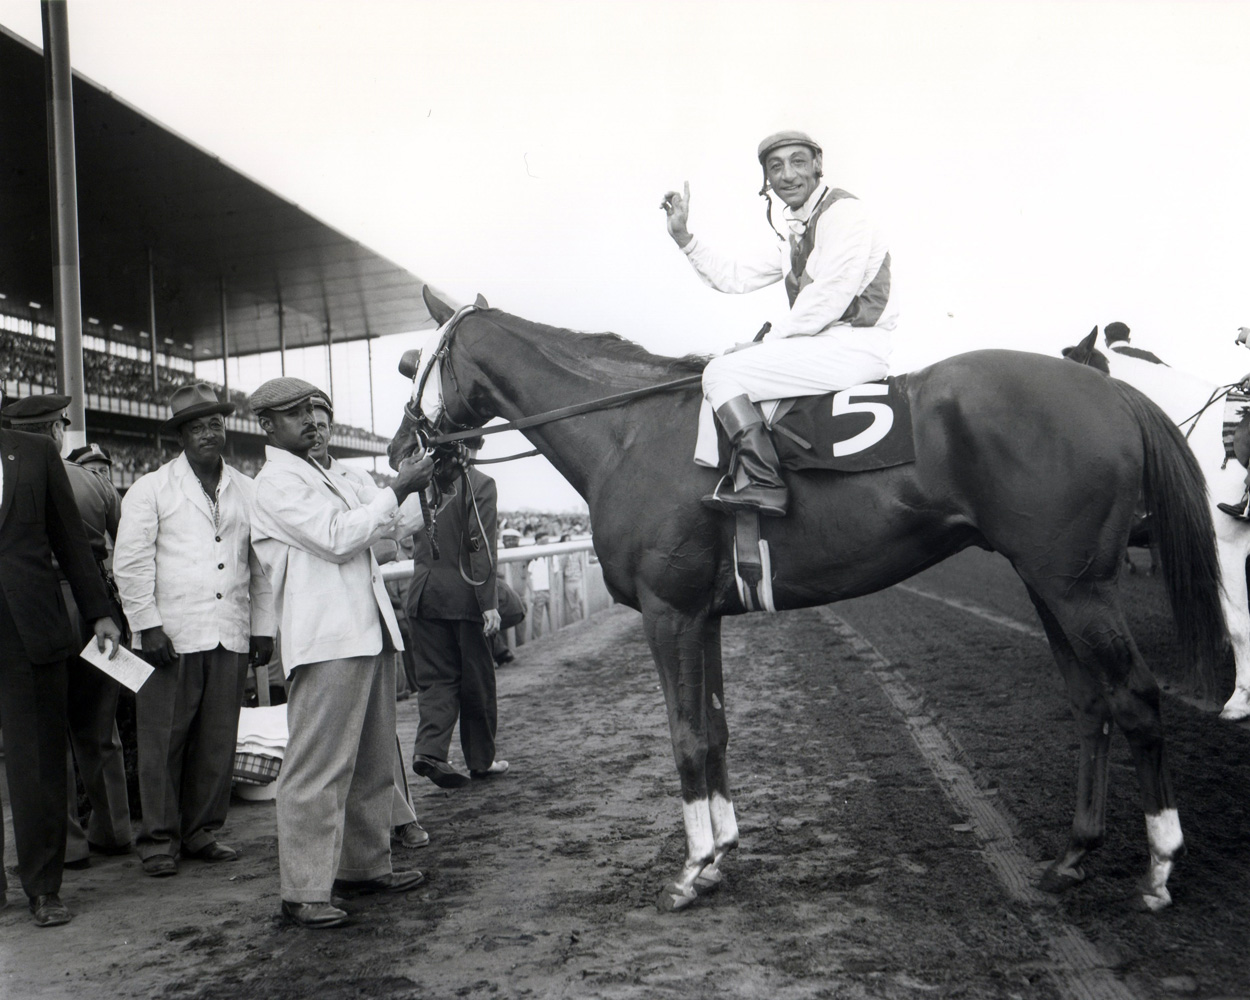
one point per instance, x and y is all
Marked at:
(603, 356)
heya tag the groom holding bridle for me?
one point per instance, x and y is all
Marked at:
(836, 268)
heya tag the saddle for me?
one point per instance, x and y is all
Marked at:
(860, 429)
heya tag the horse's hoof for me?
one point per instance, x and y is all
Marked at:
(1055, 880)
(1149, 902)
(672, 898)
(1237, 707)
(708, 882)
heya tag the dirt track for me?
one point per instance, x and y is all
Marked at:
(860, 874)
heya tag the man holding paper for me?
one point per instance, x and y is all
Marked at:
(39, 518)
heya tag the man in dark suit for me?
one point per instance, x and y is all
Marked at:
(452, 611)
(38, 517)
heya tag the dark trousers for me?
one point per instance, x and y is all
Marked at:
(97, 750)
(187, 715)
(455, 678)
(32, 715)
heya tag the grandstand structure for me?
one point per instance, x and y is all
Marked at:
(183, 261)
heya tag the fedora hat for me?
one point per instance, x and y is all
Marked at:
(191, 401)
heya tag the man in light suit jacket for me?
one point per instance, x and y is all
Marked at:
(38, 517)
(312, 531)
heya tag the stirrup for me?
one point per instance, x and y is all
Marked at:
(769, 501)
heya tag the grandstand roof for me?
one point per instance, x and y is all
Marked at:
(142, 186)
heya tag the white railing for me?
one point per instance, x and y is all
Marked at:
(563, 602)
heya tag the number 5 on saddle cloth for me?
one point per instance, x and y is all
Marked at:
(859, 429)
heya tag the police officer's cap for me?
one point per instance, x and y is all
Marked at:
(90, 453)
(43, 409)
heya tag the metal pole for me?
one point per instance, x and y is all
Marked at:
(369, 347)
(156, 378)
(330, 356)
(281, 333)
(225, 341)
(67, 291)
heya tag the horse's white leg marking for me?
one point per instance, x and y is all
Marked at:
(1163, 833)
(724, 837)
(1232, 553)
(700, 850)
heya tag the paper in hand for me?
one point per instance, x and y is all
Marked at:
(125, 667)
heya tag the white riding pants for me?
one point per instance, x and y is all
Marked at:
(792, 366)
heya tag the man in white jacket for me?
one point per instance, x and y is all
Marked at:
(313, 530)
(198, 605)
(836, 268)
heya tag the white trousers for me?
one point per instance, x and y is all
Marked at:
(337, 782)
(792, 366)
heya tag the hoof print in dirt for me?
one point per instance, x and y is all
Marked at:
(1058, 881)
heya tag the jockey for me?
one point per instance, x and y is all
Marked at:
(836, 268)
(1241, 509)
(1117, 336)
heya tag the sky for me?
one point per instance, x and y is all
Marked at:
(1040, 168)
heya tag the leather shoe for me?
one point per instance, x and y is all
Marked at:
(314, 915)
(496, 767)
(439, 772)
(160, 866)
(77, 865)
(213, 853)
(49, 911)
(411, 835)
(390, 882)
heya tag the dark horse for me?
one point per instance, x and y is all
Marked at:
(1016, 453)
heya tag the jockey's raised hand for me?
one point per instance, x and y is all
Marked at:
(677, 209)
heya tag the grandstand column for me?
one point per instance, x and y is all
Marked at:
(225, 339)
(281, 333)
(64, 205)
(156, 378)
(330, 355)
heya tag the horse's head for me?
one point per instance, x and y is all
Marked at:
(1085, 353)
(440, 402)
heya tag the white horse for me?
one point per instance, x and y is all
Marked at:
(1185, 399)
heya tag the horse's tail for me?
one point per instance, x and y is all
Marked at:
(1176, 500)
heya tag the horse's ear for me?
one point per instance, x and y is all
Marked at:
(440, 311)
(1084, 351)
(481, 302)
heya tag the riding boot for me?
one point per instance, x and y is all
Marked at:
(754, 453)
(1239, 509)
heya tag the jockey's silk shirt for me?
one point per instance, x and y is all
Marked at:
(849, 255)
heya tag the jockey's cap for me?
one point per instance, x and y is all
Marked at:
(790, 137)
(1115, 331)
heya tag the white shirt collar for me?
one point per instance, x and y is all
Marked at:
(797, 218)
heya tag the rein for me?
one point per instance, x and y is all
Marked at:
(443, 353)
(603, 403)
(1218, 393)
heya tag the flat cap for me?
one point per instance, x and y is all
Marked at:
(322, 400)
(790, 137)
(282, 393)
(36, 409)
(90, 453)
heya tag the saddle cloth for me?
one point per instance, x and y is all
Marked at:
(858, 429)
(1236, 432)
